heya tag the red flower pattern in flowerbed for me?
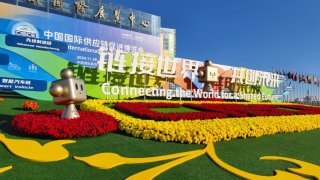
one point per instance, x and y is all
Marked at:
(211, 111)
(49, 124)
(144, 111)
(253, 110)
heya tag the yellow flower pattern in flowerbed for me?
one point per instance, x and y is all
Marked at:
(205, 131)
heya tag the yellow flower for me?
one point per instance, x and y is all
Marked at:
(204, 131)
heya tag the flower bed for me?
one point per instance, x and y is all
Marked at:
(143, 110)
(49, 124)
(229, 112)
(302, 109)
(253, 110)
(30, 105)
(206, 131)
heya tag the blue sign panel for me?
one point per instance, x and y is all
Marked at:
(22, 84)
(34, 43)
(38, 44)
(4, 59)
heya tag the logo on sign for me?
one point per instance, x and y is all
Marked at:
(33, 68)
(25, 29)
(13, 67)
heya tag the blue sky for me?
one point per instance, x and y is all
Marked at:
(258, 34)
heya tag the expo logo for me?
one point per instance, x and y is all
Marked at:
(25, 29)
(25, 33)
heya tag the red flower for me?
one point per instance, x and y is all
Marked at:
(49, 124)
(144, 111)
(211, 111)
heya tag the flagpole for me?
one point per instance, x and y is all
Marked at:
(300, 87)
(308, 94)
(318, 91)
(317, 83)
(289, 93)
(305, 89)
(297, 84)
(295, 90)
(278, 88)
(309, 88)
(312, 86)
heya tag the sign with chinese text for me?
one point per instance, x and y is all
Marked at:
(22, 84)
(37, 44)
(115, 63)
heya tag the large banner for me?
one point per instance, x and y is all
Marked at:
(114, 63)
(36, 45)
(144, 74)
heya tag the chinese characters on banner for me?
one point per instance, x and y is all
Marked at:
(100, 14)
(117, 13)
(92, 45)
(132, 17)
(58, 4)
(87, 41)
(80, 8)
(15, 81)
(145, 63)
(22, 84)
(253, 77)
(36, 2)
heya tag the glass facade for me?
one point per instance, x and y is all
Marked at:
(99, 12)
(168, 42)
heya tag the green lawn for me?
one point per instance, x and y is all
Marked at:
(179, 109)
(289, 109)
(241, 153)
